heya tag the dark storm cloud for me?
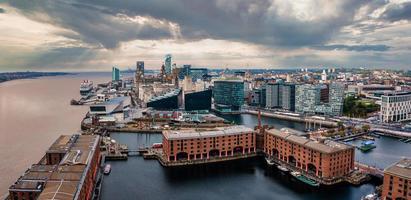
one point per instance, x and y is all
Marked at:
(396, 12)
(377, 47)
(255, 21)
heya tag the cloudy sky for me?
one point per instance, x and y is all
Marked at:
(67, 35)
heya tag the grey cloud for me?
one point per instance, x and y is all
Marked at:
(73, 57)
(396, 12)
(241, 20)
(2, 10)
(377, 47)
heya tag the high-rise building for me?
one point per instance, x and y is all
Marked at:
(324, 76)
(396, 107)
(167, 64)
(274, 95)
(140, 67)
(228, 95)
(115, 74)
(306, 98)
(185, 71)
(397, 181)
(288, 96)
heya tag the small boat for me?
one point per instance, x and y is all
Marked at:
(366, 146)
(107, 169)
(372, 196)
(269, 161)
(305, 179)
(282, 168)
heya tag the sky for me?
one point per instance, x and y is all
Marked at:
(85, 35)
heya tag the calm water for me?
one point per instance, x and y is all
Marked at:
(33, 113)
(250, 179)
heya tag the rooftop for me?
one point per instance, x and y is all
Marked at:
(402, 168)
(291, 135)
(193, 133)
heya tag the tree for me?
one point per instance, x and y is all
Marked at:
(366, 128)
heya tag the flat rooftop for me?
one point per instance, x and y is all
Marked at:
(193, 133)
(402, 168)
(327, 146)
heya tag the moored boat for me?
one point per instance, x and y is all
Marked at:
(366, 146)
(269, 161)
(282, 168)
(107, 169)
(305, 179)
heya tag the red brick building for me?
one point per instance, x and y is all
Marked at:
(217, 143)
(326, 160)
(68, 171)
(397, 181)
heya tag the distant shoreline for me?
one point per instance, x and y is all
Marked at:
(9, 76)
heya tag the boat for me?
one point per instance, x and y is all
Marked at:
(86, 87)
(367, 145)
(305, 179)
(269, 161)
(107, 169)
(372, 196)
(282, 168)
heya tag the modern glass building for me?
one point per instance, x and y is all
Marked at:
(308, 99)
(115, 74)
(274, 95)
(169, 101)
(228, 95)
(198, 100)
(288, 96)
(167, 64)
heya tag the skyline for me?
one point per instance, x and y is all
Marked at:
(95, 35)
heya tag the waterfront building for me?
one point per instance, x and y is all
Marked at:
(198, 100)
(168, 101)
(328, 160)
(115, 74)
(167, 64)
(114, 105)
(228, 95)
(254, 97)
(288, 97)
(222, 142)
(311, 99)
(395, 107)
(69, 170)
(274, 95)
(397, 181)
(306, 98)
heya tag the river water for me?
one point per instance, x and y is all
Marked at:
(34, 112)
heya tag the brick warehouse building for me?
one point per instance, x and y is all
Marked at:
(220, 142)
(69, 170)
(397, 181)
(326, 160)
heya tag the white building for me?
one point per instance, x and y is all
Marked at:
(396, 107)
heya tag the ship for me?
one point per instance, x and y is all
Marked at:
(305, 179)
(366, 146)
(269, 161)
(86, 87)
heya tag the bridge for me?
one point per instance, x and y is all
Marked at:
(372, 170)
